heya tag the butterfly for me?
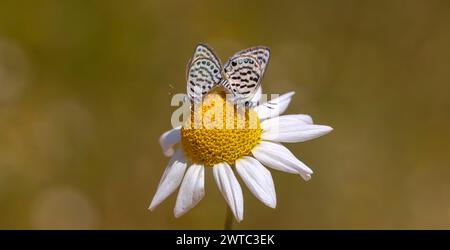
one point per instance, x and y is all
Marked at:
(240, 76)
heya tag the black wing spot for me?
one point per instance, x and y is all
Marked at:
(267, 105)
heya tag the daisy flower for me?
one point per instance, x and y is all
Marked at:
(248, 149)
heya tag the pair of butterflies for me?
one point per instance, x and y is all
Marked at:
(240, 76)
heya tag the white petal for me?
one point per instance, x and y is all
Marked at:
(278, 157)
(289, 129)
(285, 122)
(191, 191)
(257, 96)
(171, 179)
(258, 179)
(168, 139)
(230, 189)
(274, 107)
(301, 117)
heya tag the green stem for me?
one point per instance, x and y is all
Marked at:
(228, 220)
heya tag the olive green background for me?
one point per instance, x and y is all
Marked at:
(85, 90)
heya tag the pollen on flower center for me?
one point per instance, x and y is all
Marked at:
(218, 131)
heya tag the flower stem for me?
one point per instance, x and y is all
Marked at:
(228, 220)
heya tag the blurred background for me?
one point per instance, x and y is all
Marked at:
(85, 90)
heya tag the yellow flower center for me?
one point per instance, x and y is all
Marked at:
(218, 131)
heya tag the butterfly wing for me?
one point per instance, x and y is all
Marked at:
(204, 51)
(261, 53)
(203, 72)
(243, 72)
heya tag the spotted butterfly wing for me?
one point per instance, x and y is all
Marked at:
(243, 73)
(203, 73)
(203, 50)
(261, 53)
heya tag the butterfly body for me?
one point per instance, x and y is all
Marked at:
(240, 76)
